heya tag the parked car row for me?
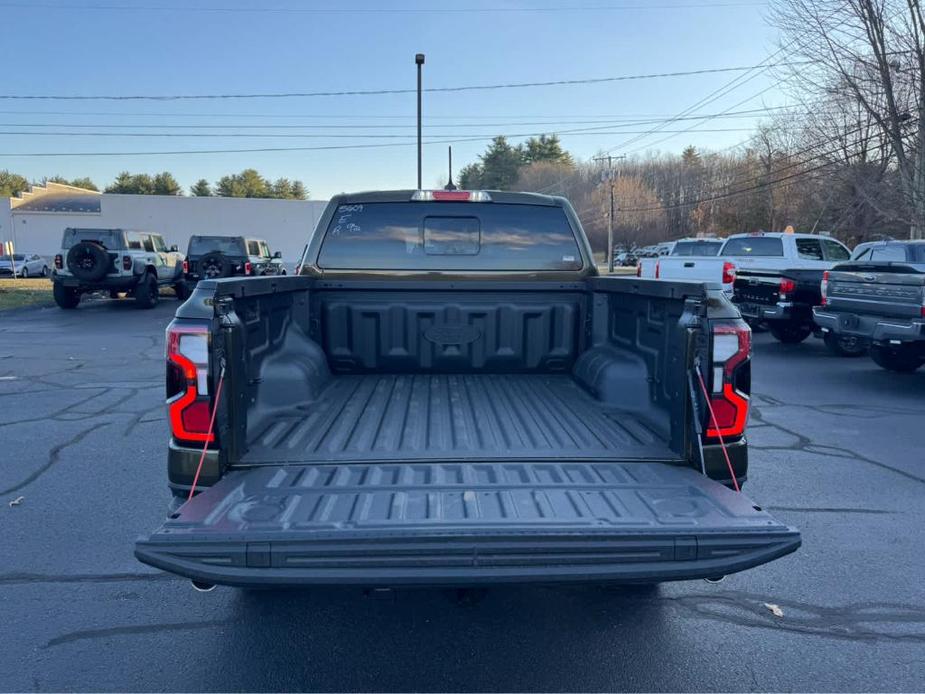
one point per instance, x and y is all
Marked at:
(797, 285)
(125, 262)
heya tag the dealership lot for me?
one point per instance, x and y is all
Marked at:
(836, 450)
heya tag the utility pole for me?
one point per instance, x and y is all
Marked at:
(419, 61)
(609, 159)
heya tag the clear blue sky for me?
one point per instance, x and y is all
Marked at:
(86, 47)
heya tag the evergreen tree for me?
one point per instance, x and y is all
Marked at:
(201, 189)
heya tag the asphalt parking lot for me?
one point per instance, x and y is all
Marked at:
(837, 450)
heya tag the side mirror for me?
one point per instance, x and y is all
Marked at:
(174, 249)
(277, 254)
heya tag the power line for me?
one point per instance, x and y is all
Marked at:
(353, 116)
(726, 88)
(381, 10)
(357, 126)
(377, 92)
(410, 141)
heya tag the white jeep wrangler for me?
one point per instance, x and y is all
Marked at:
(136, 263)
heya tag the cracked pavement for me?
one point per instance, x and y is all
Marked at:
(836, 449)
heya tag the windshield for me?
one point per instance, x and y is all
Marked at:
(765, 246)
(449, 236)
(111, 239)
(201, 245)
(697, 247)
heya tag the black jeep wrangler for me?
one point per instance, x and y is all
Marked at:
(212, 257)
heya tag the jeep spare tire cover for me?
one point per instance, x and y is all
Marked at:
(88, 261)
(215, 265)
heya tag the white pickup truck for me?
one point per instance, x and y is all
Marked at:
(690, 258)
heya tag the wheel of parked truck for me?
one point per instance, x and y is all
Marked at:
(182, 290)
(900, 359)
(845, 345)
(146, 292)
(215, 265)
(65, 297)
(88, 261)
(790, 334)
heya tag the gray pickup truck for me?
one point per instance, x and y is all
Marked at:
(879, 299)
(448, 394)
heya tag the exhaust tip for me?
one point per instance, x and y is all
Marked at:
(715, 579)
(202, 587)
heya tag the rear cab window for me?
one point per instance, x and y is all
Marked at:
(477, 236)
(758, 246)
(110, 239)
(253, 248)
(201, 245)
(689, 248)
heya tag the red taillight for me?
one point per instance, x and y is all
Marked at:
(248, 268)
(185, 266)
(824, 289)
(126, 262)
(729, 273)
(732, 344)
(658, 268)
(59, 262)
(639, 269)
(188, 402)
(787, 286)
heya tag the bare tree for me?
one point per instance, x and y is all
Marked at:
(874, 52)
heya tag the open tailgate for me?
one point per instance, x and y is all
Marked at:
(462, 524)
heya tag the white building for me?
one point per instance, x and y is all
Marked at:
(35, 220)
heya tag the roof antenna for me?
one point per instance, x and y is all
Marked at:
(450, 185)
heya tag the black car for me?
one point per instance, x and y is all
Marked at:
(213, 257)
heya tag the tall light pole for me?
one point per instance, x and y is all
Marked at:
(419, 61)
(609, 159)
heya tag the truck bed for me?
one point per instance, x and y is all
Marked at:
(402, 417)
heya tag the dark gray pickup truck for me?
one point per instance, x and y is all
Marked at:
(879, 299)
(448, 394)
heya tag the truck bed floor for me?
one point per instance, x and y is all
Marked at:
(454, 417)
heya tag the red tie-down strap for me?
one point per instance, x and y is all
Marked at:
(205, 445)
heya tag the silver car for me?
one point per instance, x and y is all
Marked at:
(23, 265)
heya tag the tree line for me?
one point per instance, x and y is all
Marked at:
(249, 183)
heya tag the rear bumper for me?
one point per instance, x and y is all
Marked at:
(780, 312)
(121, 282)
(877, 329)
(389, 560)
